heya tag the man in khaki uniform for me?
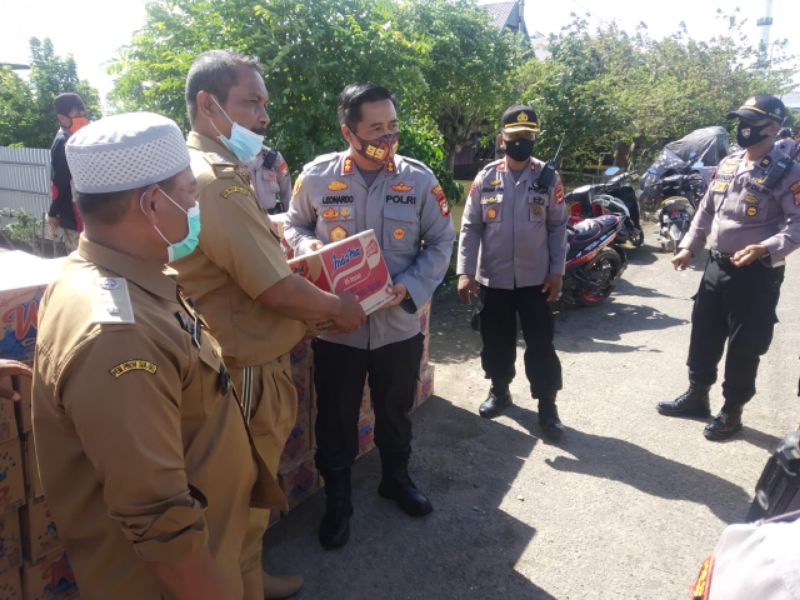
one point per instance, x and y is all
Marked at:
(145, 458)
(239, 276)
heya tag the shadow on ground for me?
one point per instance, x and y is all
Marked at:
(618, 460)
(466, 548)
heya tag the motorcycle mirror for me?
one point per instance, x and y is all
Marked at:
(611, 171)
(698, 164)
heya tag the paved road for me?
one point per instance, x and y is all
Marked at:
(625, 506)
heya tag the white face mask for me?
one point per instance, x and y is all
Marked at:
(244, 144)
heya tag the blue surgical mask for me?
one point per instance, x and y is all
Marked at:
(184, 247)
(244, 144)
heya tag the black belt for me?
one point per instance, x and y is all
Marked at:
(720, 256)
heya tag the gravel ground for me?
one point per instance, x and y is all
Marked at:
(625, 506)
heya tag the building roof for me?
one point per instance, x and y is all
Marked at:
(508, 14)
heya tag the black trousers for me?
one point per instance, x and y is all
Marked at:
(339, 375)
(499, 335)
(737, 305)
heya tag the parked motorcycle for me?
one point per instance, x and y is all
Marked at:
(594, 265)
(679, 194)
(613, 197)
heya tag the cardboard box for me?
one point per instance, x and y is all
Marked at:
(10, 585)
(366, 433)
(39, 533)
(299, 481)
(8, 409)
(300, 441)
(49, 579)
(33, 483)
(353, 265)
(24, 407)
(10, 541)
(12, 482)
(24, 280)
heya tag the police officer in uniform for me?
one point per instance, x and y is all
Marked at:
(239, 276)
(143, 451)
(750, 221)
(271, 180)
(369, 186)
(512, 251)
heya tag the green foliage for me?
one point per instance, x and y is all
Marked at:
(27, 117)
(22, 231)
(425, 144)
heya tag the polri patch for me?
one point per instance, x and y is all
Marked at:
(135, 364)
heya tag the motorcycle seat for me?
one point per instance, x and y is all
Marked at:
(584, 231)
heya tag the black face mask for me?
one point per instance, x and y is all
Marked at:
(749, 135)
(519, 149)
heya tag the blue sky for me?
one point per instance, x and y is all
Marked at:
(92, 30)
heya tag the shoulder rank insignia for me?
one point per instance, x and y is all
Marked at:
(347, 165)
(243, 172)
(234, 189)
(765, 162)
(136, 364)
(111, 301)
(298, 185)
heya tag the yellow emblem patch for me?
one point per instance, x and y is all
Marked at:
(719, 186)
(298, 185)
(136, 364)
(491, 214)
(522, 117)
(751, 199)
(234, 189)
(338, 233)
(345, 211)
(752, 211)
(495, 182)
(337, 186)
(728, 167)
(399, 234)
(490, 200)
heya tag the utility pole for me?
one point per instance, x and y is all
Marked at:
(765, 23)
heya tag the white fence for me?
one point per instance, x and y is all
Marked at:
(25, 180)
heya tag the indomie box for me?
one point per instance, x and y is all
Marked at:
(12, 484)
(24, 280)
(39, 530)
(10, 585)
(10, 541)
(50, 579)
(353, 265)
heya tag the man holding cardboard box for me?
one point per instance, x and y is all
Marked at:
(239, 276)
(338, 195)
(145, 458)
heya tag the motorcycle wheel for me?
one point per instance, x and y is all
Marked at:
(636, 237)
(602, 271)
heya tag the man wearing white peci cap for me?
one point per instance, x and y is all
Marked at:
(143, 450)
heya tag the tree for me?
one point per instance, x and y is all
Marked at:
(27, 116)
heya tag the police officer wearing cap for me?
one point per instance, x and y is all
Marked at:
(144, 455)
(512, 252)
(750, 221)
(239, 276)
(370, 186)
(272, 182)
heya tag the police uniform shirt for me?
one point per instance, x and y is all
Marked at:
(142, 447)
(273, 184)
(513, 234)
(239, 257)
(738, 211)
(407, 209)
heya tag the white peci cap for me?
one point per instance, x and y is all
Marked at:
(125, 152)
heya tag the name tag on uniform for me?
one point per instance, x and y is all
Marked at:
(111, 301)
(719, 186)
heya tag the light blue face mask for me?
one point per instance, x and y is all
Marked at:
(184, 247)
(244, 144)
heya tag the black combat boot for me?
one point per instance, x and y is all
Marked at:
(548, 417)
(499, 398)
(334, 531)
(724, 425)
(397, 485)
(692, 403)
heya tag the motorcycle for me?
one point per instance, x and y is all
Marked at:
(613, 197)
(680, 193)
(594, 264)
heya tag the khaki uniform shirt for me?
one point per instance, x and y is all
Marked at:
(408, 211)
(513, 234)
(142, 448)
(239, 258)
(737, 211)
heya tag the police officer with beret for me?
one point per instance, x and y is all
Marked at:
(512, 252)
(239, 276)
(144, 455)
(750, 221)
(370, 186)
